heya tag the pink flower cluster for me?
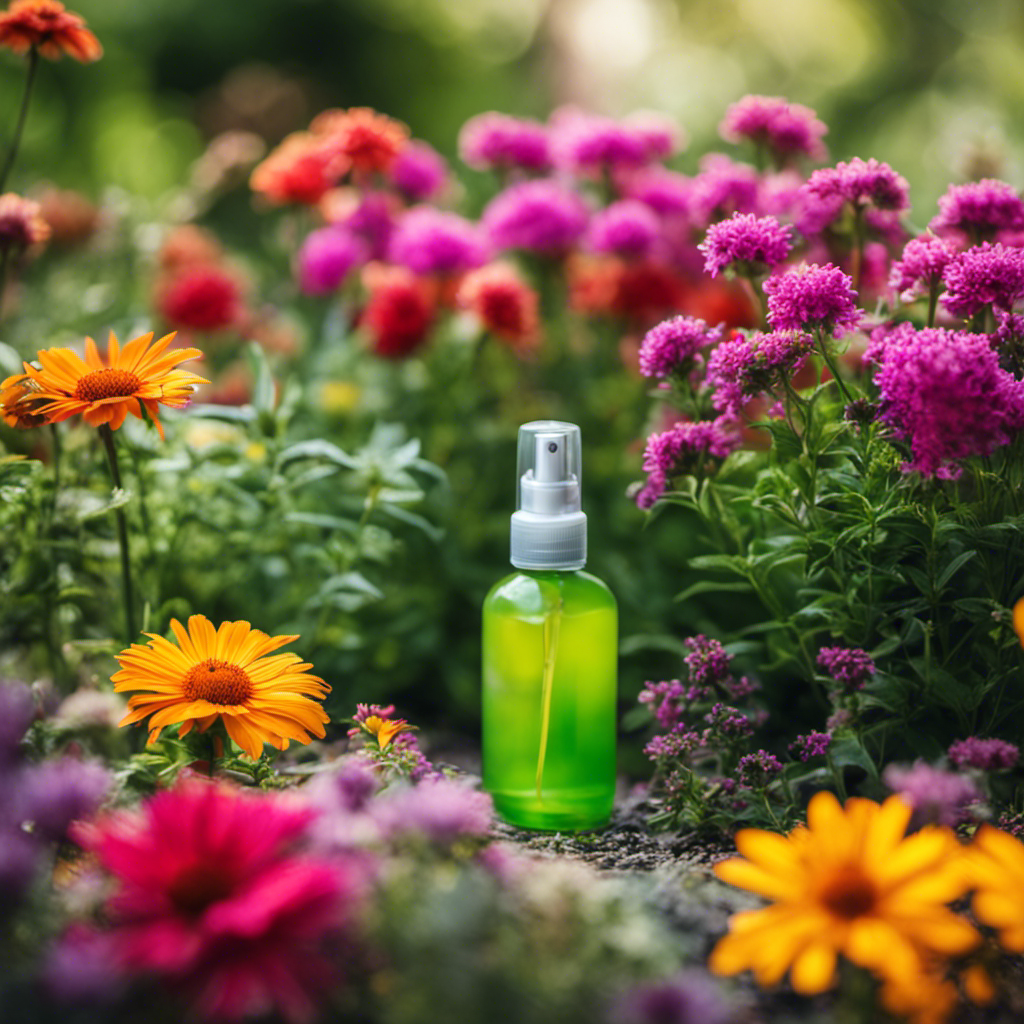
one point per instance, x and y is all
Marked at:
(673, 347)
(787, 129)
(937, 797)
(850, 666)
(985, 275)
(861, 183)
(812, 297)
(988, 755)
(743, 367)
(919, 270)
(750, 245)
(980, 209)
(945, 393)
(684, 448)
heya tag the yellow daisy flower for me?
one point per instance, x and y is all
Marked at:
(996, 864)
(222, 674)
(850, 882)
(385, 729)
(104, 391)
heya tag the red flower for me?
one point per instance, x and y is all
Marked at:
(213, 900)
(300, 170)
(47, 26)
(371, 141)
(202, 298)
(647, 292)
(504, 304)
(399, 313)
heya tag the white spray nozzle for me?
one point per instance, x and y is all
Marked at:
(549, 529)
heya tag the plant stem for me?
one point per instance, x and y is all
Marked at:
(832, 366)
(122, 534)
(933, 301)
(33, 63)
(57, 448)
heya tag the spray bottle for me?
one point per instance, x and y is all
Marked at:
(550, 650)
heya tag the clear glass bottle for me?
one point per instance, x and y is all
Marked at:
(550, 651)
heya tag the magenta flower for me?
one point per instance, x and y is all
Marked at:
(540, 216)
(985, 275)
(851, 667)
(587, 144)
(372, 220)
(727, 722)
(53, 794)
(432, 241)
(688, 997)
(722, 188)
(679, 743)
(937, 797)
(812, 297)
(980, 209)
(327, 257)
(945, 393)
(494, 141)
(213, 899)
(742, 367)
(627, 228)
(666, 700)
(82, 968)
(921, 266)
(658, 133)
(666, 192)
(419, 172)
(989, 755)
(672, 348)
(862, 183)
(750, 245)
(685, 448)
(786, 129)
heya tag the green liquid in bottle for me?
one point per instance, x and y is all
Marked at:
(550, 650)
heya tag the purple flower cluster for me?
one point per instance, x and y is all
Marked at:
(327, 257)
(756, 770)
(985, 275)
(861, 183)
(540, 216)
(665, 699)
(672, 348)
(432, 241)
(687, 998)
(945, 393)
(727, 722)
(743, 367)
(814, 744)
(373, 222)
(682, 449)
(494, 141)
(751, 245)
(980, 209)
(921, 266)
(852, 667)
(722, 188)
(1009, 329)
(438, 810)
(39, 801)
(989, 755)
(627, 228)
(812, 297)
(679, 743)
(787, 129)
(937, 797)
(419, 172)
(707, 660)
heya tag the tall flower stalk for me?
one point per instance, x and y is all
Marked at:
(122, 533)
(19, 128)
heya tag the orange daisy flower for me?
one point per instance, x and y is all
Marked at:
(385, 729)
(222, 674)
(371, 141)
(19, 404)
(850, 882)
(52, 30)
(105, 391)
(21, 222)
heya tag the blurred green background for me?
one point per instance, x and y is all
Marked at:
(932, 86)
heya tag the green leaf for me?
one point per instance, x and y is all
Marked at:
(317, 449)
(850, 751)
(264, 394)
(225, 413)
(92, 507)
(713, 587)
(322, 520)
(950, 571)
(435, 533)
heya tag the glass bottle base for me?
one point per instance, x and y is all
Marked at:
(553, 812)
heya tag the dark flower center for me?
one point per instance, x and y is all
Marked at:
(218, 682)
(196, 887)
(849, 894)
(109, 383)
